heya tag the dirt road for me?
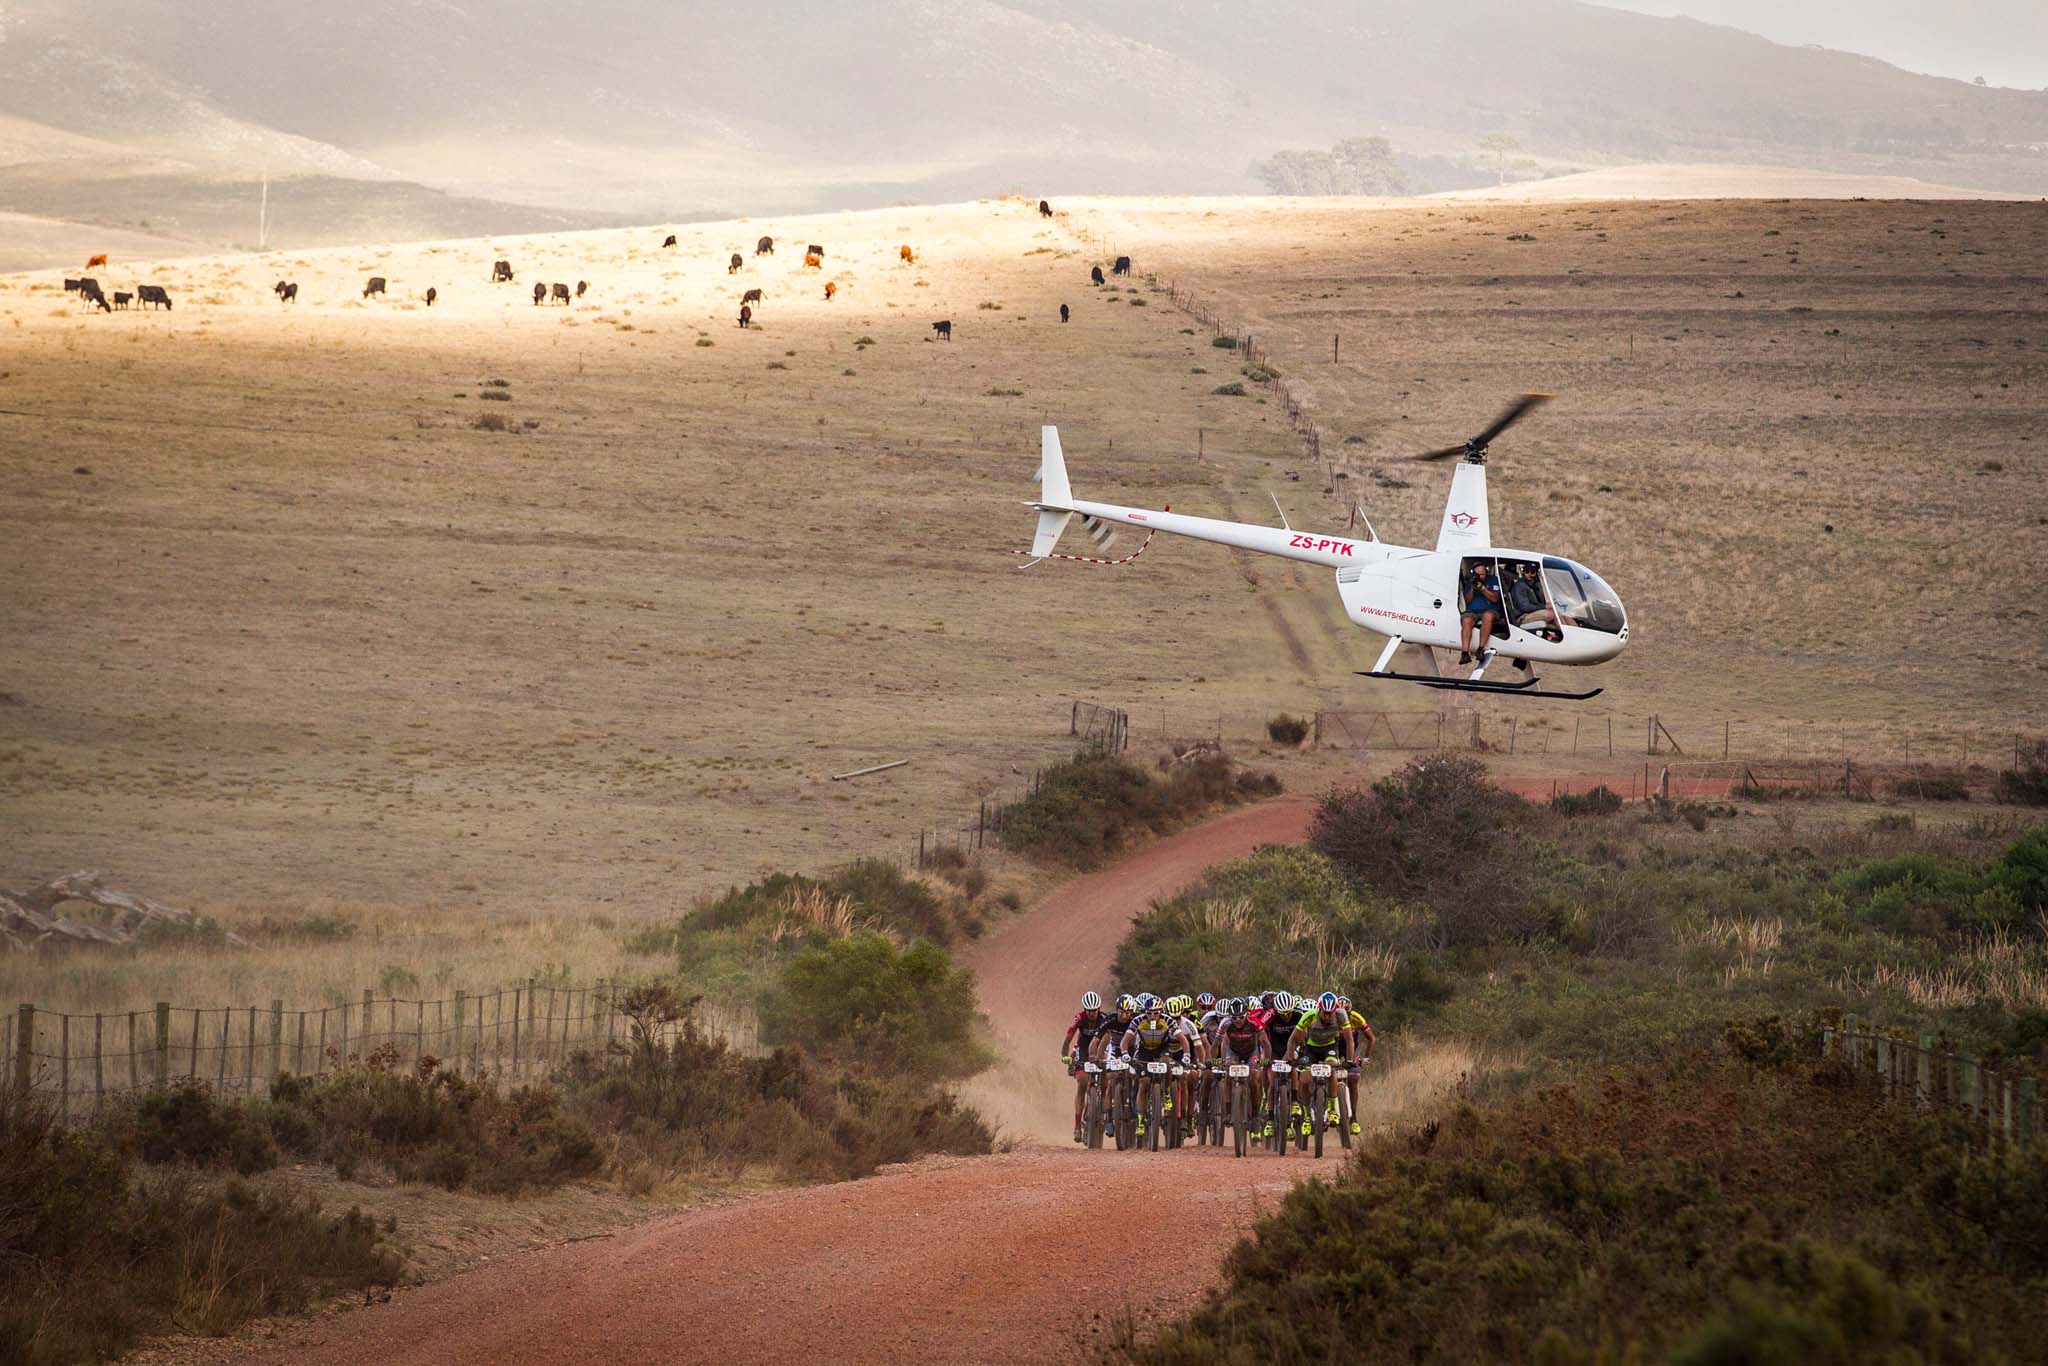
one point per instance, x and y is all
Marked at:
(973, 1260)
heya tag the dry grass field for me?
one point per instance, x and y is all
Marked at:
(283, 622)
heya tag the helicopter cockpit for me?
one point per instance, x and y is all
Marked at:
(1583, 597)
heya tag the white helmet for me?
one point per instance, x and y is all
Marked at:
(1090, 1001)
(1283, 1001)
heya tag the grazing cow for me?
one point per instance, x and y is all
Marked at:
(815, 250)
(122, 298)
(1095, 274)
(501, 272)
(765, 247)
(559, 293)
(905, 254)
(287, 291)
(812, 260)
(1064, 315)
(1122, 266)
(375, 286)
(432, 294)
(732, 267)
(669, 240)
(93, 296)
(540, 294)
(752, 296)
(88, 285)
(830, 290)
(99, 260)
(746, 316)
(944, 327)
(152, 294)
(70, 285)
(1044, 209)
(581, 285)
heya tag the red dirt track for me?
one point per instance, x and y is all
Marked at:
(968, 1260)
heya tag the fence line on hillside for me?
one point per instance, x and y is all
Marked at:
(515, 1034)
(1997, 1104)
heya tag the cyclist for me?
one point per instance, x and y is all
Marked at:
(1149, 1039)
(1358, 1028)
(1195, 1048)
(1322, 1030)
(1078, 1045)
(1241, 1038)
(1277, 1019)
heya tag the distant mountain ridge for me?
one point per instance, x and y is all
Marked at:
(672, 109)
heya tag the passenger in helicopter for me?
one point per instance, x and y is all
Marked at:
(1526, 607)
(1482, 605)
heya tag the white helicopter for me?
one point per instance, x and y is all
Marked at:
(1413, 597)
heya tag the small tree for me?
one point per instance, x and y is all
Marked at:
(1500, 144)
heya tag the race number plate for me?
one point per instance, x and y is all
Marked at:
(1238, 1069)
(1119, 1065)
(1319, 1069)
(1282, 1068)
(1157, 1069)
(1091, 1067)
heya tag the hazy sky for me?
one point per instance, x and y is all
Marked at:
(2004, 41)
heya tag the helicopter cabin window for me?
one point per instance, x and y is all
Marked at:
(1582, 597)
(1472, 602)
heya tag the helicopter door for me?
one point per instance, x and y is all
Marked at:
(1466, 595)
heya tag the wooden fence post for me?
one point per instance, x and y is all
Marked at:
(369, 1017)
(515, 1031)
(533, 1040)
(99, 1076)
(2028, 1125)
(131, 1050)
(299, 1046)
(64, 1065)
(227, 1023)
(163, 1043)
(419, 1033)
(1923, 1088)
(476, 1047)
(24, 1047)
(249, 1052)
(276, 1037)
(460, 1019)
(344, 1033)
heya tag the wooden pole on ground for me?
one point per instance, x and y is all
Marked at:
(455, 1053)
(163, 1043)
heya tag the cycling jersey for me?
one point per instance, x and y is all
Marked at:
(1113, 1035)
(1085, 1029)
(1321, 1034)
(1239, 1036)
(1279, 1029)
(1152, 1031)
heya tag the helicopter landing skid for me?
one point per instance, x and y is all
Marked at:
(1526, 688)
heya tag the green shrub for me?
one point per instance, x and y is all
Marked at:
(1230, 390)
(2026, 782)
(1601, 801)
(1288, 730)
(1094, 805)
(863, 1001)
(1224, 343)
(187, 1124)
(100, 1253)
(1258, 372)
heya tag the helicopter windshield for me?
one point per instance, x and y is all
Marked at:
(1583, 597)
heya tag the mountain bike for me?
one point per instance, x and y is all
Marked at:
(1094, 1105)
(1279, 1103)
(1154, 1082)
(1123, 1113)
(1327, 1095)
(1233, 1089)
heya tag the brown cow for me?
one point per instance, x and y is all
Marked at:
(540, 294)
(765, 247)
(830, 290)
(812, 260)
(746, 316)
(581, 285)
(752, 296)
(432, 294)
(1044, 209)
(906, 254)
(559, 293)
(669, 240)
(99, 260)
(732, 267)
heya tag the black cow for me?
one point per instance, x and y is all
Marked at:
(752, 296)
(746, 316)
(1044, 209)
(375, 286)
(540, 294)
(559, 293)
(70, 285)
(944, 327)
(432, 294)
(669, 240)
(501, 272)
(287, 291)
(1095, 274)
(93, 296)
(765, 247)
(1122, 266)
(88, 285)
(149, 294)
(733, 266)
(816, 250)
(581, 285)
(122, 298)
(1063, 313)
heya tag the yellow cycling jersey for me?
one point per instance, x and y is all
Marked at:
(1357, 1021)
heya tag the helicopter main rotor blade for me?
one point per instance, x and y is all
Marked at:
(1445, 454)
(1514, 414)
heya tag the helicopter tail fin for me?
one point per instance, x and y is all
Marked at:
(1055, 495)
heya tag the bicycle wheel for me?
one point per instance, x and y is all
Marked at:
(1237, 1117)
(1318, 1095)
(1152, 1117)
(1091, 1113)
(1344, 1115)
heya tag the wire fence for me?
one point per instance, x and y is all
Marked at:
(81, 1062)
(1997, 1104)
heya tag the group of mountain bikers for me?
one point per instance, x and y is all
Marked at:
(1256, 1029)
